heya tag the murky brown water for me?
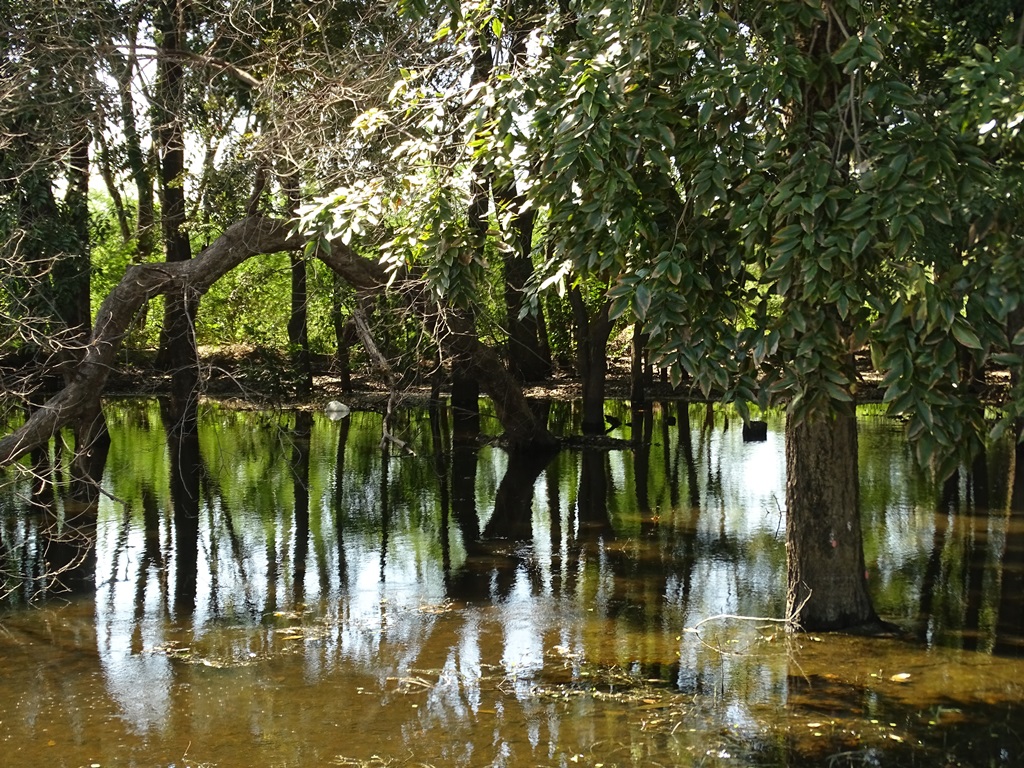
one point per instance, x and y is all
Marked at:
(260, 598)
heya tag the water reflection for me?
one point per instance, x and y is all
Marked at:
(279, 585)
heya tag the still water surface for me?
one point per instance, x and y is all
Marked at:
(283, 592)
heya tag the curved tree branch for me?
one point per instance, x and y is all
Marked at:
(250, 237)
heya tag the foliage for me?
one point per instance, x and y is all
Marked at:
(771, 188)
(46, 91)
(776, 191)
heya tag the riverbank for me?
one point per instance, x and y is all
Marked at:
(257, 377)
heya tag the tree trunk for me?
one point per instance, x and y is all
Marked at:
(177, 341)
(344, 334)
(110, 182)
(123, 70)
(593, 519)
(185, 480)
(465, 402)
(591, 358)
(92, 444)
(637, 368)
(827, 584)
(512, 518)
(300, 490)
(298, 320)
(526, 356)
(522, 427)
(1010, 622)
(1014, 325)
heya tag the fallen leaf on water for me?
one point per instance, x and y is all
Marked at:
(900, 677)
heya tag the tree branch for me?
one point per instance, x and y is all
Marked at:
(249, 237)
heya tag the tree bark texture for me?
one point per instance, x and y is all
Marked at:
(298, 320)
(72, 272)
(522, 428)
(465, 388)
(244, 239)
(827, 584)
(591, 359)
(177, 340)
(527, 358)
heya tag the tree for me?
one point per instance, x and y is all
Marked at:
(250, 237)
(773, 193)
(45, 137)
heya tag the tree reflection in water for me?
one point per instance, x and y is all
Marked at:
(278, 588)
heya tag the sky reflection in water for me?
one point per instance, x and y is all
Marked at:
(465, 608)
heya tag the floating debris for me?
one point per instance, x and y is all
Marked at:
(336, 411)
(411, 684)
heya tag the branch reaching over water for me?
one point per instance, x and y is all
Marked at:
(141, 283)
(249, 237)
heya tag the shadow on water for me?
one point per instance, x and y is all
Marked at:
(280, 589)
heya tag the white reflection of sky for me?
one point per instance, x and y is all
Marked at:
(138, 681)
(523, 652)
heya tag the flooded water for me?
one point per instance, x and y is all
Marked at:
(282, 591)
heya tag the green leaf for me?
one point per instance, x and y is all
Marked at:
(668, 139)
(847, 50)
(618, 307)
(643, 301)
(836, 392)
(942, 215)
(674, 273)
(965, 335)
(861, 242)
(1007, 359)
(778, 266)
(593, 158)
(705, 112)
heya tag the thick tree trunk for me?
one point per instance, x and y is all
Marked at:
(72, 272)
(528, 359)
(300, 491)
(638, 368)
(1014, 325)
(827, 584)
(92, 444)
(73, 290)
(298, 333)
(344, 335)
(513, 502)
(1010, 622)
(522, 427)
(593, 518)
(186, 468)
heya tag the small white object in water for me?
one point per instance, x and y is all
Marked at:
(336, 410)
